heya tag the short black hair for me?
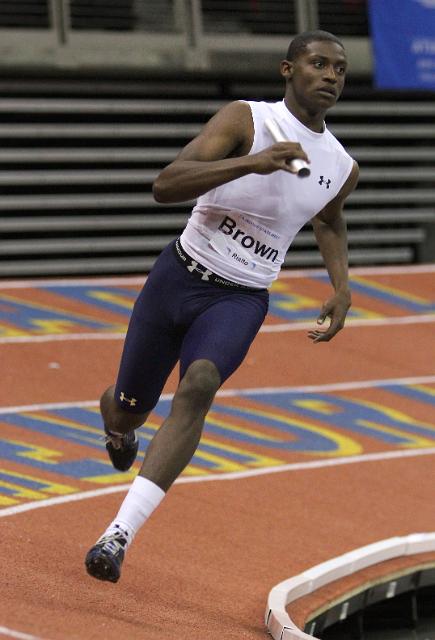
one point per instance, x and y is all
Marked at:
(299, 44)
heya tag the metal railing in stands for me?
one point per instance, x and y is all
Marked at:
(196, 34)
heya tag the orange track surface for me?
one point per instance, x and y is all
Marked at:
(203, 565)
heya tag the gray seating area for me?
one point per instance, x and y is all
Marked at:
(78, 158)
(26, 14)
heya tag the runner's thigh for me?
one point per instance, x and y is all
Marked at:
(224, 332)
(148, 358)
(152, 344)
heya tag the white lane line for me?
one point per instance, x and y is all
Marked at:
(138, 280)
(64, 337)
(4, 631)
(49, 406)
(74, 497)
(73, 282)
(351, 324)
(312, 464)
(236, 475)
(229, 393)
(362, 271)
(334, 386)
(268, 328)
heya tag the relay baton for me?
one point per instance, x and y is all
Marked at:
(300, 167)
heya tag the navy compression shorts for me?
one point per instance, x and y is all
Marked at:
(181, 314)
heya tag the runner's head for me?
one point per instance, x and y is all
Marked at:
(314, 70)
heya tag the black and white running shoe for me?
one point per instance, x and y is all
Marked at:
(105, 558)
(122, 449)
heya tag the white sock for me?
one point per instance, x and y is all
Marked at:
(141, 500)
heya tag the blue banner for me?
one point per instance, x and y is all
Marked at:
(403, 37)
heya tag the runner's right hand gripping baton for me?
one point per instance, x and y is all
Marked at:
(300, 167)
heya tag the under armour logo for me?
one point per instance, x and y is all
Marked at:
(194, 267)
(323, 181)
(131, 401)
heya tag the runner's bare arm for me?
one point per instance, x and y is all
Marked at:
(219, 154)
(331, 235)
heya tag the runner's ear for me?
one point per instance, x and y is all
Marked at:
(286, 69)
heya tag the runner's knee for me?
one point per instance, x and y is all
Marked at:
(117, 419)
(199, 385)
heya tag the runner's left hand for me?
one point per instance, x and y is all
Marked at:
(336, 309)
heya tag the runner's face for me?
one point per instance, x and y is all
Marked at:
(317, 75)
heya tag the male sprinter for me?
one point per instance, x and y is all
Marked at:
(207, 295)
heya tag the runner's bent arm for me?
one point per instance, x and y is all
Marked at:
(331, 235)
(219, 154)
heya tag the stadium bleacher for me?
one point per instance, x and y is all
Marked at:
(80, 148)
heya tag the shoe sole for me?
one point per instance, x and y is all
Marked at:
(122, 460)
(101, 566)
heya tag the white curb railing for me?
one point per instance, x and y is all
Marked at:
(279, 623)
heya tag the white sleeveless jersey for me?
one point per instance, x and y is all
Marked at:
(243, 229)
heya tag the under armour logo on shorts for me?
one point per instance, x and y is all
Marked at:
(131, 401)
(194, 267)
